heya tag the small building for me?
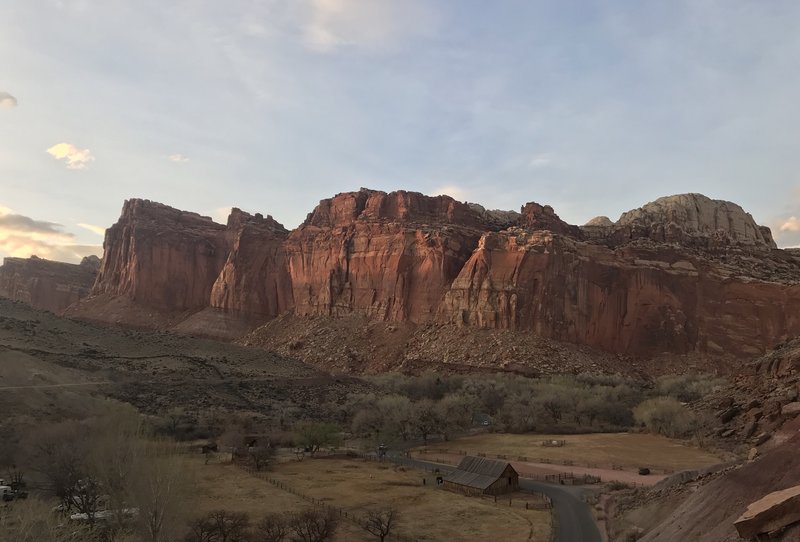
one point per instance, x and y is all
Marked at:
(481, 476)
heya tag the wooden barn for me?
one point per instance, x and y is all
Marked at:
(481, 476)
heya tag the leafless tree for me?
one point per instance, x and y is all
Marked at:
(379, 523)
(272, 528)
(261, 456)
(220, 526)
(312, 526)
(159, 491)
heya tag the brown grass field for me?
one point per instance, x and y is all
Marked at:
(627, 450)
(425, 512)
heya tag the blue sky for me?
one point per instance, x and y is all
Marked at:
(593, 107)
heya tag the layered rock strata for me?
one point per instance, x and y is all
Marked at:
(684, 274)
(45, 284)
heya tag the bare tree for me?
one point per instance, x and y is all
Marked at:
(220, 526)
(261, 456)
(379, 523)
(159, 491)
(58, 452)
(272, 528)
(312, 526)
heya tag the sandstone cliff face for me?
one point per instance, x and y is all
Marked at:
(388, 256)
(684, 274)
(46, 284)
(636, 300)
(254, 281)
(161, 257)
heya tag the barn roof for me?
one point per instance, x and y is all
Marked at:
(477, 472)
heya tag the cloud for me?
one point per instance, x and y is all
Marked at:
(455, 192)
(178, 158)
(23, 236)
(99, 230)
(366, 23)
(541, 160)
(7, 101)
(27, 225)
(791, 224)
(75, 158)
(221, 214)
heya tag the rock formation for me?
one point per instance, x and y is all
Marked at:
(46, 284)
(388, 256)
(684, 274)
(161, 257)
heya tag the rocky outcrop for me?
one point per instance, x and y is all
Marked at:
(684, 274)
(254, 280)
(387, 256)
(161, 257)
(46, 284)
(542, 217)
(694, 220)
(638, 300)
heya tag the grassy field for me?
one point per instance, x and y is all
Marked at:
(628, 450)
(425, 512)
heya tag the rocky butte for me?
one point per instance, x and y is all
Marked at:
(681, 275)
(45, 284)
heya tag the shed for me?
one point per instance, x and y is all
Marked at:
(481, 476)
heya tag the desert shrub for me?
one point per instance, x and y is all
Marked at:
(666, 416)
(687, 388)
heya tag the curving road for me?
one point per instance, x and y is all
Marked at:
(573, 518)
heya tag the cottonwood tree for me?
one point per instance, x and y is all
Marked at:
(159, 490)
(220, 526)
(271, 528)
(59, 453)
(312, 526)
(261, 456)
(313, 436)
(426, 419)
(379, 523)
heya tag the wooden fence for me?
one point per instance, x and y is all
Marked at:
(320, 503)
(545, 460)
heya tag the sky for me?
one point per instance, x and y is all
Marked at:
(593, 107)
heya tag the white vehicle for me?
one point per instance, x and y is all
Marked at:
(6, 493)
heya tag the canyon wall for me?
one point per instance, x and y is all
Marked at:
(683, 274)
(46, 284)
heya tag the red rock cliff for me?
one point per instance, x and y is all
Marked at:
(682, 274)
(641, 300)
(161, 257)
(46, 284)
(255, 280)
(388, 256)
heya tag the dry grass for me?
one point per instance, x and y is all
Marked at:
(426, 513)
(629, 450)
(227, 487)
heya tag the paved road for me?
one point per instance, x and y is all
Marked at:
(573, 518)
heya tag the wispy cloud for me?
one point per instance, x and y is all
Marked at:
(791, 224)
(23, 236)
(542, 160)
(7, 101)
(455, 192)
(179, 158)
(99, 230)
(74, 157)
(366, 23)
(221, 214)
